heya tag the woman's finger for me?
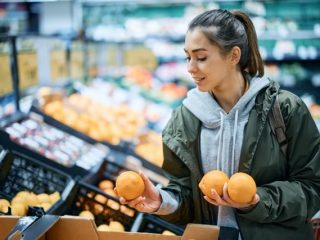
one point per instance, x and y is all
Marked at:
(226, 197)
(133, 203)
(146, 180)
(122, 200)
(211, 201)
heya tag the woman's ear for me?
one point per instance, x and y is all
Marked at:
(235, 55)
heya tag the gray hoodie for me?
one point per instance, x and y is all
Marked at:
(221, 139)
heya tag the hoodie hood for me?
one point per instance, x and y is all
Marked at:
(208, 111)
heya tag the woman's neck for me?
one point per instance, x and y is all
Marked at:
(229, 94)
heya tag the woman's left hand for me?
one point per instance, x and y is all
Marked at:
(226, 201)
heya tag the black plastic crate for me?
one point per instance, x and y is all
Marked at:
(103, 206)
(19, 172)
(154, 224)
(109, 170)
(66, 144)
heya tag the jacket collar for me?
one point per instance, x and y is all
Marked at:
(256, 123)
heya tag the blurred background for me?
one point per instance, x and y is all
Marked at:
(118, 67)
(87, 86)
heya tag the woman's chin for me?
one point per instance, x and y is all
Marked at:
(202, 88)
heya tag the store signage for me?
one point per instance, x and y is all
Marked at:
(140, 56)
(77, 61)
(112, 56)
(92, 60)
(5, 73)
(58, 65)
(28, 69)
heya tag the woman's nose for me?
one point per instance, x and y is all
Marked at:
(192, 68)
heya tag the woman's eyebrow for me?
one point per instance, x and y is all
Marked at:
(196, 50)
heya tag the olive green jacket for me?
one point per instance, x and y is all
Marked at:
(289, 189)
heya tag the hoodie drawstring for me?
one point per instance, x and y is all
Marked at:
(220, 146)
(235, 128)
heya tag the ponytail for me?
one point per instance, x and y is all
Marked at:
(254, 65)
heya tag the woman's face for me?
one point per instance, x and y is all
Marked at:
(207, 66)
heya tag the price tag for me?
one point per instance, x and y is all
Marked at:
(5, 73)
(92, 60)
(140, 56)
(112, 56)
(28, 69)
(76, 67)
(58, 65)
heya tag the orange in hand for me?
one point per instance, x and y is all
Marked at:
(241, 188)
(213, 179)
(129, 185)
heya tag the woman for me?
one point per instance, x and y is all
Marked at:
(223, 124)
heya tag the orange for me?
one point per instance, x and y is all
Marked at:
(129, 185)
(241, 188)
(213, 179)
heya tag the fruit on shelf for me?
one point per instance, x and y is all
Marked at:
(173, 91)
(116, 226)
(4, 205)
(106, 184)
(103, 227)
(168, 233)
(140, 76)
(100, 122)
(87, 214)
(315, 111)
(150, 147)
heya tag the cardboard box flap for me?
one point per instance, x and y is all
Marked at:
(30, 228)
(40, 227)
(201, 232)
(134, 236)
(6, 224)
(77, 228)
(73, 228)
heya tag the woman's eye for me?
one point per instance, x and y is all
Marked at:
(201, 59)
(187, 59)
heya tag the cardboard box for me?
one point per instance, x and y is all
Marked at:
(76, 228)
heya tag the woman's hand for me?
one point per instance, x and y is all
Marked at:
(149, 201)
(226, 201)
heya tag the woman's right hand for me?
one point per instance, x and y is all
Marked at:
(150, 201)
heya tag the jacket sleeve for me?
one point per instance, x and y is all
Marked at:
(297, 199)
(179, 179)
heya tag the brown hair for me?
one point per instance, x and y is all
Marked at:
(229, 29)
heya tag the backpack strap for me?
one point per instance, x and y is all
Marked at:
(278, 126)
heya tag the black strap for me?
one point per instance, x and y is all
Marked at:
(278, 126)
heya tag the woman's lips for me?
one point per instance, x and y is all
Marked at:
(198, 80)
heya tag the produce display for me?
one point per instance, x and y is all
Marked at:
(100, 122)
(150, 147)
(24, 199)
(113, 120)
(28, 183)
(101, 206)
(55, 144)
